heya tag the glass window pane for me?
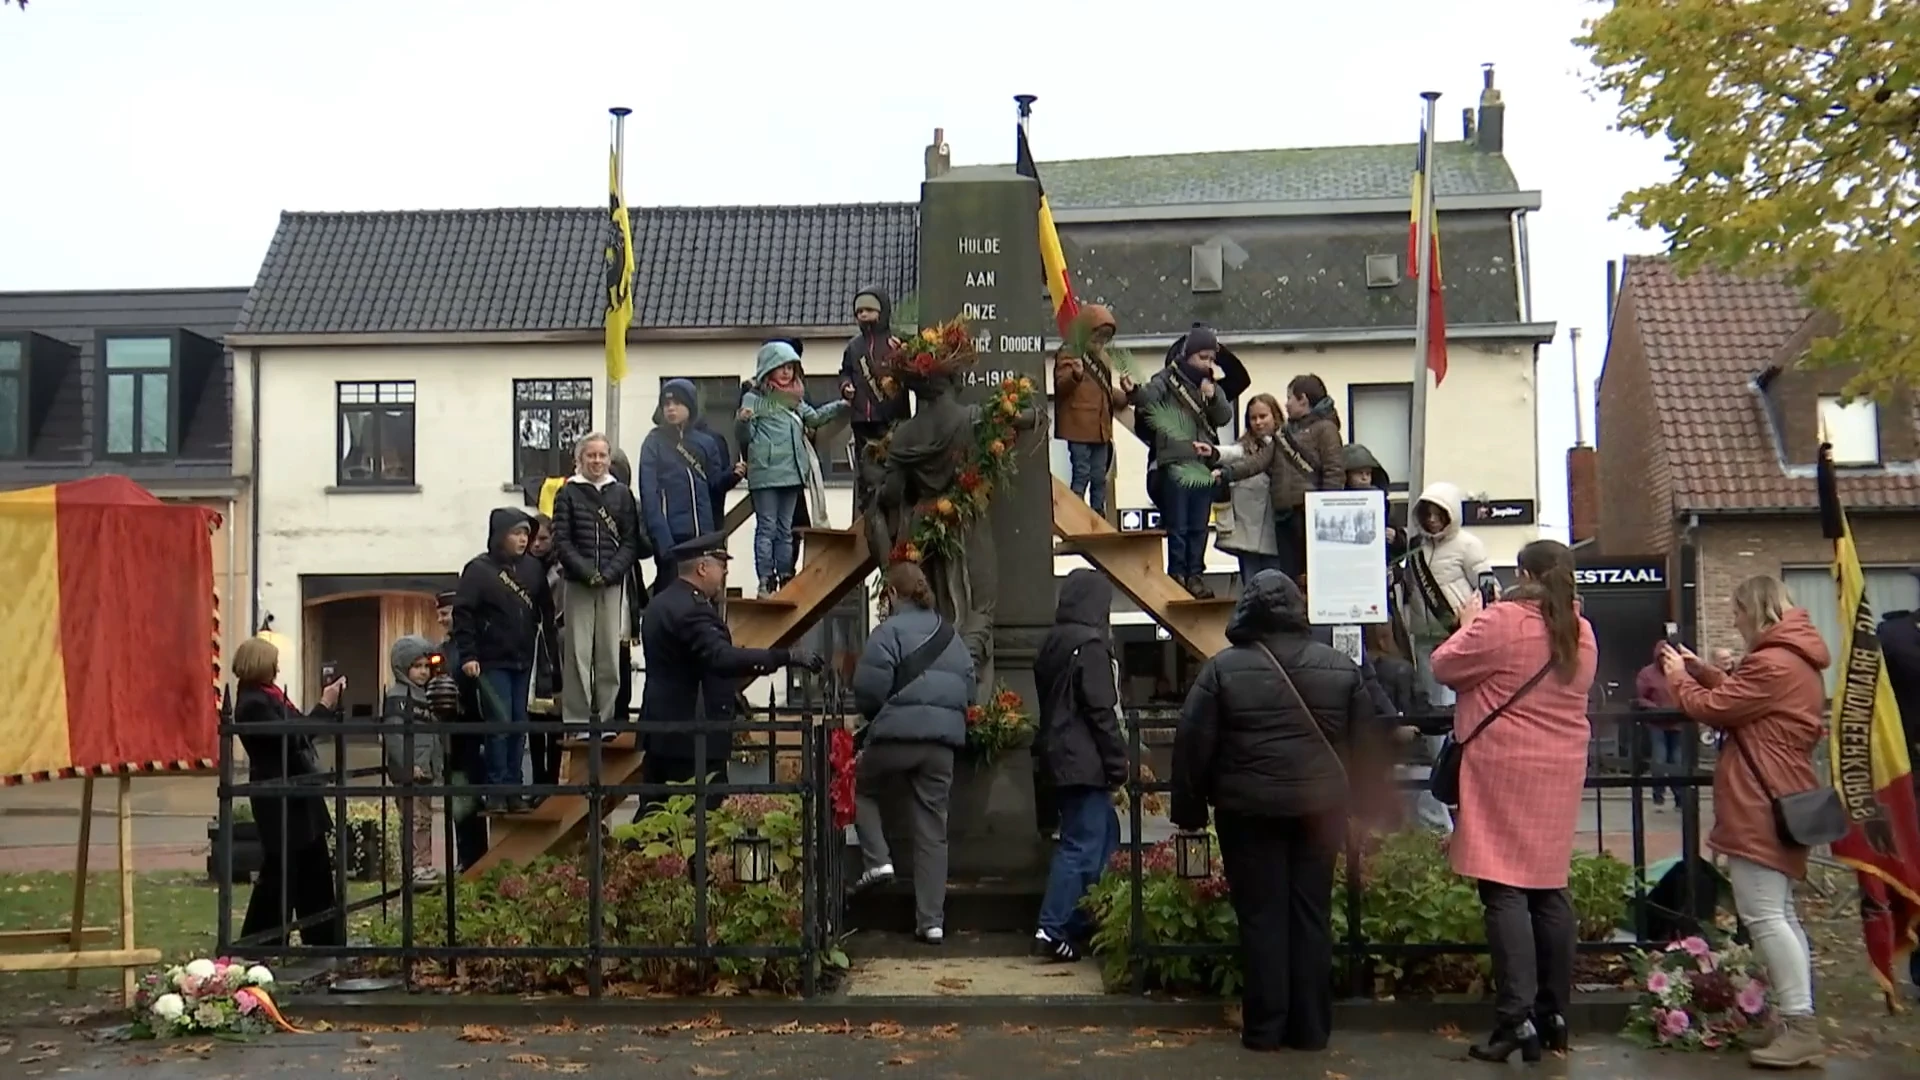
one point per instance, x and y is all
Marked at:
(120, 414)
(574, 390)
(356, 446)
(355, 393)
(572, 425)
(533, 389)
(9, 414)
(1383, 423)
(10, 354)
(153, 414)
(396, 444)
(536, 429)
(139, 352)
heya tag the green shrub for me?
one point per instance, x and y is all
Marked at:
(1410, 896)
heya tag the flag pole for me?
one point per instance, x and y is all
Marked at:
(1422, 305)
(620, 114)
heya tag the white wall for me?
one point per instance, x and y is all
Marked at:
(463, 466)
(1480, 423)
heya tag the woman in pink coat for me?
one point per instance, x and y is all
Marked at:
(1530, 660)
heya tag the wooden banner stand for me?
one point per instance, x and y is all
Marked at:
(77, 935)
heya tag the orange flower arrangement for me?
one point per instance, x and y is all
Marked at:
(997, 726)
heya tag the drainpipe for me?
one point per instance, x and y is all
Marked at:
(1523, 263)
(1688, 618)
(253, 493)
(226, 616)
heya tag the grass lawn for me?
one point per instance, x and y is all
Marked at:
(174, 911)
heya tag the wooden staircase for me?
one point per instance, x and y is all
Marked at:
(1136, 563)
(835, 560)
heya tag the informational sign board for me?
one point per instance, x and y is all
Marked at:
(1346, 557)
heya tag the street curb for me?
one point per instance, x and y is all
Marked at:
(98, 811)
(1588, 1013)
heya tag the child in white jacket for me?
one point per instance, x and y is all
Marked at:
(1442, 574)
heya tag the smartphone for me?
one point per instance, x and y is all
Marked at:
(1489, 589)
(329, 673)
(1673, 635)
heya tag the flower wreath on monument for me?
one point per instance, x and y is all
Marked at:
(942, 520)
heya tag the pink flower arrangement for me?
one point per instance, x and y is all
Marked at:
(1698, 997)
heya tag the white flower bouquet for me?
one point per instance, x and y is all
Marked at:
(207, 997)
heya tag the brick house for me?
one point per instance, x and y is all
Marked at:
(1709, 430)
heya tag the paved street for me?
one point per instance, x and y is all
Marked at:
(952, 1051)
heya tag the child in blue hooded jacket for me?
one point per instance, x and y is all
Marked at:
(773, 424)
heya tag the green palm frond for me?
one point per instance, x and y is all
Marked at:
(1122, 362)
(1171, 420)
(1190, 474)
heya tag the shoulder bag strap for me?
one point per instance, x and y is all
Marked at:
(922, 657)
(1525, 689)
(1740, 745)
(1312, 720)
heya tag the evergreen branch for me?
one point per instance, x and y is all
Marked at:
(1190, 474)
(1172, 421)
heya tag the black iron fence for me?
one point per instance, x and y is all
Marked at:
(775, 861)
(1681, 902)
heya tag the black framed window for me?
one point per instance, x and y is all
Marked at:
(550, 417)
(138, 397)
(376, 434)
(1380, 418)
(13, 397)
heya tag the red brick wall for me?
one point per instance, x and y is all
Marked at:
(1635, 485)
(1732, 551)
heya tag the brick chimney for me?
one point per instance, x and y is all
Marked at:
(1583, 494)
(939, 159)
(1490, 133)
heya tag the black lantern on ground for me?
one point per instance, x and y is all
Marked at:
(1193, 854)
(752, 858)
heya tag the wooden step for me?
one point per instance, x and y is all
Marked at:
(1198, 605)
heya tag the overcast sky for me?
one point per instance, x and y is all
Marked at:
(153, 143)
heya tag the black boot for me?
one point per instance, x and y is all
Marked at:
(1553, 1032)
(1197, 588)
(1507, 1038)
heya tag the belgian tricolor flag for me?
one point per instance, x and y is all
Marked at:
(1869, 762)
(1054, 260)
(1428, 267)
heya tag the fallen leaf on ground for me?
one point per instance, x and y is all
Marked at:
(714, 1035)
(791, 1027)
(953, 984)
(526, 1059)
(457, 1065)
(946, 1031)
(1331, 1075)
(54, 1048)
(708, 1070)
(570, 1067)
(485, 1033)
(565, 1026)
(885, 1029)
(31, 1058)
(900, 1059)
(1109, 1052)
(1016, 1029)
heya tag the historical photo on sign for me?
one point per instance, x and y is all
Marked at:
(1346, 557)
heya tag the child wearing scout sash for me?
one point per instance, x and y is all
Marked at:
(499, 609)
(874, 403)
(1183, 407)
(1305, 455)
(684, 477)
(1087, 394)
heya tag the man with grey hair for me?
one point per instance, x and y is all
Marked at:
(598, 538)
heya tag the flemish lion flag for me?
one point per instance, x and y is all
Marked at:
(1870, 765)
(1052, 258)
(619, 275)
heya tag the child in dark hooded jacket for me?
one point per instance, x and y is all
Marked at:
(424, 762)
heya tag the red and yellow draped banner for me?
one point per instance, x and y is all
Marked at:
(109, 650)
(1871, 768)
(1053, 259)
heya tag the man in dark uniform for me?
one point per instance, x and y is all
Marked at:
(694, 668)
(466, 754)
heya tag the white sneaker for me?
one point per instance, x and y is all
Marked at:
(426, 878)
(932, 935)
(879, 875)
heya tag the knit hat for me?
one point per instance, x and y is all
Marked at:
(1200, 339)
(866, 301)
(682, 391)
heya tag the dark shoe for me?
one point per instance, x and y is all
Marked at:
(1197, 588)
(931, 936)
(782, 582)
(1553, 1032)
(1507, 1038)
(519, 804)
(1057, 950)
(767, 587)
(494, 804)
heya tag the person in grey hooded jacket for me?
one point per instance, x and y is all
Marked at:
(914, 685)
(424, 762)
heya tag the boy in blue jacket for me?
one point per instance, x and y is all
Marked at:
(684, 476)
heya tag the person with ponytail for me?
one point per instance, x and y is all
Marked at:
(1522, 668)
(914, 686)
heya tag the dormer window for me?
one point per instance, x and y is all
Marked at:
(1852, 427)
(137, 409)
(13, 397)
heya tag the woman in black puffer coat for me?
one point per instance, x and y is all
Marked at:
(1265, 737)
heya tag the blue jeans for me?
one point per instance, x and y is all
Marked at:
(1666, 759)
(505, 689)
(1184, 513)
(1089, 835)
(773, 510)
(1090, 462)
(1253, 564)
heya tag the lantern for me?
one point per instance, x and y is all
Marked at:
(752, 858)
(1193, 854)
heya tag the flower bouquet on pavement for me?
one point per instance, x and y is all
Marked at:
(1696, 997)
(207, 997)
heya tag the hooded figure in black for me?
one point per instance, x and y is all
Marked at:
(1265, 737)
(500, 608)
(863, 366)
(1081, 752)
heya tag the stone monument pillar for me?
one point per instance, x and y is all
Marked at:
(980, 258)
